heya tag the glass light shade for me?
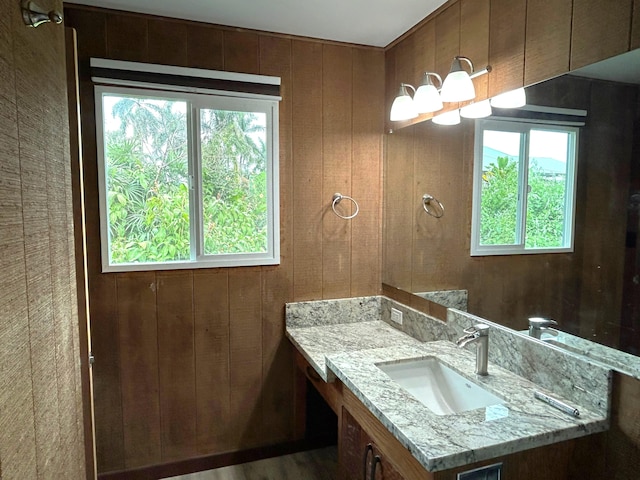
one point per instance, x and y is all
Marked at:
(427, 99)
(457, 87)
(403, 107)
(513, 99)
(448, 118)
(476, 110)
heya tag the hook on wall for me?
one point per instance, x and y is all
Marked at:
(34, 15)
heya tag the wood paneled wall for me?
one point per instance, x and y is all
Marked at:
(524, 41)
(41, 424)
(582, 290)
(195, 363)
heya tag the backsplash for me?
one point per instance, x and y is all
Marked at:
(332, 312)
(449, 298)
(573, 378)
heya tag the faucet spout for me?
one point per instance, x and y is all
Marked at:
(478, 334)
(538, 324)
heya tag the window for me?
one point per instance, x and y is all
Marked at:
(187, 180)
(524, 188)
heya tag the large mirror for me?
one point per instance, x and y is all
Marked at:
(592, 292)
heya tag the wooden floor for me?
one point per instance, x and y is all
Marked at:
(319, 464)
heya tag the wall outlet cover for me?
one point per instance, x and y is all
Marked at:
(396, 316)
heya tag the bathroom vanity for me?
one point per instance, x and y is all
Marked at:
(358, 359)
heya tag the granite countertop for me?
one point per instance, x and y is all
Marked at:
(441, 442)
(316, 342)
(346, 338)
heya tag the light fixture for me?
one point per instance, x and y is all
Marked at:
(458, 87)
(513, 99)
(448, 118)
(427, 99)
(403, 107)
(476, 110)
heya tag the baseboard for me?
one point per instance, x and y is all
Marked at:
(183, 467)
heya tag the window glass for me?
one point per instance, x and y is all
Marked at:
(234, 187)
(186, 180)
(524, 188)
(146, 170)
(499, 199)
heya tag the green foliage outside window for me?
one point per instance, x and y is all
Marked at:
(147, 180)
(545, 206)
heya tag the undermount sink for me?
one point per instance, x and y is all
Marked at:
(438, 387)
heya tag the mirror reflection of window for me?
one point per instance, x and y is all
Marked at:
(524, 184)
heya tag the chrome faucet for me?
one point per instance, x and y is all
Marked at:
(477, 334)
(538, 324)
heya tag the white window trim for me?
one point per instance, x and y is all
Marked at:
(570, 194)
(198, 258)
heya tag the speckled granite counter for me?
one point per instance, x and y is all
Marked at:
(441, 442)
(601, 354)
(326, 327)
(345, 338)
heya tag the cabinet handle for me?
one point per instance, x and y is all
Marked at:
(367, 450)
(374, 464)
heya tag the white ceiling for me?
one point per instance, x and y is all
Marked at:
(366, 22)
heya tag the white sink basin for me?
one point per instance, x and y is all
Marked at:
(438, 387)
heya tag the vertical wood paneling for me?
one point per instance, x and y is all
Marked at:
(107, 388)
(474, 39)
(548, 23)
(635, 26)
(398, 216)
(127, 38)
(39, 400)
(277, 285)
(39, 270)
(601, 29)
(336, 170)
(367, 157)
(424, 51)
(308, 201)
(205, 47)
(17, 432)
(245, 357)
(426, 178)
(506, 45)
(447, 39)
(211, 316)
(169, 42)
(176, 364)
(241, 52)
(138, 329)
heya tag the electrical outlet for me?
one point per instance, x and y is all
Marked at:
(396, 316)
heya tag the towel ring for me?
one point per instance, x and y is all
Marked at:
(426, 201)
(337, 198)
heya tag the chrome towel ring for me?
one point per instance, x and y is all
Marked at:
(426, 202)
(337, 198)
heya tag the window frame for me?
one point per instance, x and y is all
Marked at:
(524, 128)
(196, 102)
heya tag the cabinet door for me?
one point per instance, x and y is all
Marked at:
(358, 454)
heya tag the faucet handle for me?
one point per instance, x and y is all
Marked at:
(540, 322)
(479, 329)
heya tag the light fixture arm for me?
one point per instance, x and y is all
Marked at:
(34, 15)
(426, 79)
(403, 88)
(456, 66)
